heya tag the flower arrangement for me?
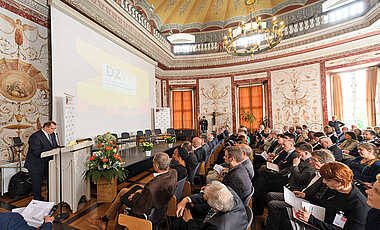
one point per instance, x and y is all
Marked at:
(106, 161)
(170, 140)
(146, 146)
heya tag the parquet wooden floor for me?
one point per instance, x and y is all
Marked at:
(86, 209)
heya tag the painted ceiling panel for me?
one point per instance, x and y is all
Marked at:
(188, 14)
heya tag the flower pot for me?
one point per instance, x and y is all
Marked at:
(170, 145)
(148, 153)
(106, 191)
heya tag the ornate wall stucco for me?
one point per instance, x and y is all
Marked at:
(24, 76)
(215, 96)
(158, 92)
(297, 97)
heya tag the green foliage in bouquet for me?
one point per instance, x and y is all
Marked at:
(106, 161)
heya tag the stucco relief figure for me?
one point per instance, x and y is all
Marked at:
(22, 31)
(18, 28)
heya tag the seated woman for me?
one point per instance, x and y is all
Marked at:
(359, 134)
(350, 142)
(180, 156)
(313, 191)
(367, 165)
(345, 205)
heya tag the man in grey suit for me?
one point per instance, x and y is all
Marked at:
(227, 211)
(247, 163)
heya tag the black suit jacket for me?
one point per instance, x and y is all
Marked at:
(337, 152)
(200, 153)
(315, 191)
(285, 164)
(300, 175)
(38, 143)
(237, 178)
(235, 219)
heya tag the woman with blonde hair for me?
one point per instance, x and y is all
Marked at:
(366, 166)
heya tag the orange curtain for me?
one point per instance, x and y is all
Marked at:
(336, 96)
(372, 74)
(182, 110)
(251, 100)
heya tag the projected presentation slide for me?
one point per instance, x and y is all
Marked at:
(113, 89)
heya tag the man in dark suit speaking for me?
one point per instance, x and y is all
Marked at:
(40, 141)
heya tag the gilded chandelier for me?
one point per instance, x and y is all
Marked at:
(252, 38)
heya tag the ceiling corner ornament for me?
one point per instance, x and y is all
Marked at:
(253, 37)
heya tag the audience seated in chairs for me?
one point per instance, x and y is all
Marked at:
(140, 201)
(369, 136)
(268, 181)
(367, 165)
(313, 192)
(342, 201)
(373, 217)
(227, 210)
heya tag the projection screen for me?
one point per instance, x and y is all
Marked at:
(112, 88)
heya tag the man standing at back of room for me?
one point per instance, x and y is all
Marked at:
(204, 125)
(41, 141)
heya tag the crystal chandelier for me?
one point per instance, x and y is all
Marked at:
(252, 38)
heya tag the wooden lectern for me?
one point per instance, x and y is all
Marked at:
(74, 166)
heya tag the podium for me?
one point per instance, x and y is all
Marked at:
(74, 166)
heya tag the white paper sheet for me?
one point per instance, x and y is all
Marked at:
(264, 155)
(317, 211)
(18, 210)
(272, 166)
(35, 211)
(218, 168)
(292, 199)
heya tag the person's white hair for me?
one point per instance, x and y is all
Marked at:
(219, 197)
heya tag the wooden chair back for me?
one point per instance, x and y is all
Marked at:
(134, 222)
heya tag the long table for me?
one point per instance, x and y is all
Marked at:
(136, 161)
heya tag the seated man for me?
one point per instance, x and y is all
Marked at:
(227, 211)
(13, 220)
(268, 181)
(198, 150)
(247, 151)
(329, 145)
(237, 176)
(155, 194)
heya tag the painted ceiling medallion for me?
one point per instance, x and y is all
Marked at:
(19, 81)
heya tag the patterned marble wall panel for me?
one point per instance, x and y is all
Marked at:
(24, 77)
(296, 97)
(215, 96)
(158, 92)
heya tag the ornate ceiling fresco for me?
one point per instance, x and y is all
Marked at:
(205, 15)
